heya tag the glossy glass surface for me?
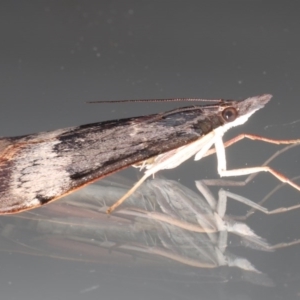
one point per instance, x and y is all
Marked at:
(55, 56)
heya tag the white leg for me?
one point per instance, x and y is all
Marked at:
(133, 189)
(285, 245)
(222, 202)
(207, 194)
(241, 229)
(231, 225)
(226, 182)
(222, 170)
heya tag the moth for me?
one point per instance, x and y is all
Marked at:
(39, 168)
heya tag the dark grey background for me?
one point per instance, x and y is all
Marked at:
(56, 55)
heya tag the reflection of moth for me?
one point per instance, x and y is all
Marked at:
(38, 168)
(164, 224)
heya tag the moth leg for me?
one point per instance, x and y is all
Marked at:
(247, 171)
(238, 228)
(220, 151)
(254, 137)
(268, 196)
(242, 229)
(285, 245)
(222, 170)
(254, 205)
(257, 241)
(124, 197)
(292, 143)
(226, 182)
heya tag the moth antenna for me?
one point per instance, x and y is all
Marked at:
(159, 100)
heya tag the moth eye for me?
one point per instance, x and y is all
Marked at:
(229, 114)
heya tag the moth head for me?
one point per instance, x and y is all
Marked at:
(238, 112)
